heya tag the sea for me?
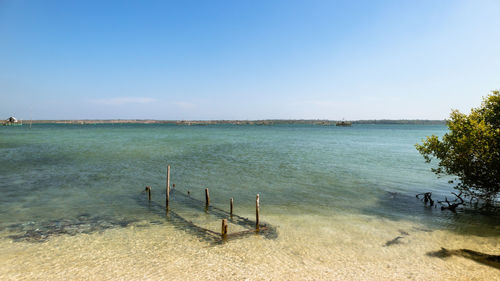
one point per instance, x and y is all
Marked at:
(340, 204)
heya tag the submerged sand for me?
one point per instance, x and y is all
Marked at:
(347, 247)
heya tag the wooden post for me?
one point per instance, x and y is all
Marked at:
(207, 198)
(167, 197)
(231, 207)
(257, 212)
(148, 190)
(224, 227)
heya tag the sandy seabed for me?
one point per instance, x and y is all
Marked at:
(307, 248)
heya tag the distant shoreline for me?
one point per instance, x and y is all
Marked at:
(236, 122)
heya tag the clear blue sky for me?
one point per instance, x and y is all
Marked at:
(246, 59)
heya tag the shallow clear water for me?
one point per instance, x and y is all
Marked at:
(336, 195)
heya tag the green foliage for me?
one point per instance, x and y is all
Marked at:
(470, 150)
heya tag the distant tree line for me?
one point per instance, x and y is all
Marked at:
(241, 122)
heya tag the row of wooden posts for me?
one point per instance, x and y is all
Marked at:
(207, 203)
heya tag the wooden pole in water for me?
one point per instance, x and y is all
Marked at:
(167, 197)
(207, 198)
(148, 190)
(231, 206)
(257, 212)
(224, 227)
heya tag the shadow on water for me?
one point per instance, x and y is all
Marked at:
(398, 207)
(486, 259)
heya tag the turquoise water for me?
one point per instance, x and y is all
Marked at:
(55, 172)
(340, 200)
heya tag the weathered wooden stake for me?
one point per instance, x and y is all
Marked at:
(207, 198)
(167, 197)
(224, 227)
(257, 212)
(231, 207)
(148, 190)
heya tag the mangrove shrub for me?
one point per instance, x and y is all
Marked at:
(470, 150)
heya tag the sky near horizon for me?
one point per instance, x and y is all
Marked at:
(246, 59)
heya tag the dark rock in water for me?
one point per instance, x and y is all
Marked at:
(30, 235)
(123, 223)
(84, 223)
(443, 253)
(393, 241)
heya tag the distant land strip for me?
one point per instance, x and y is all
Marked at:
(237, 122)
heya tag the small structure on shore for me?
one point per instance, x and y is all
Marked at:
(12, 121)
(343, 123)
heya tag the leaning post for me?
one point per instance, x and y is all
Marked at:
(207, 198)
(167, 197)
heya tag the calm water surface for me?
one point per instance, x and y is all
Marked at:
(336, 195)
